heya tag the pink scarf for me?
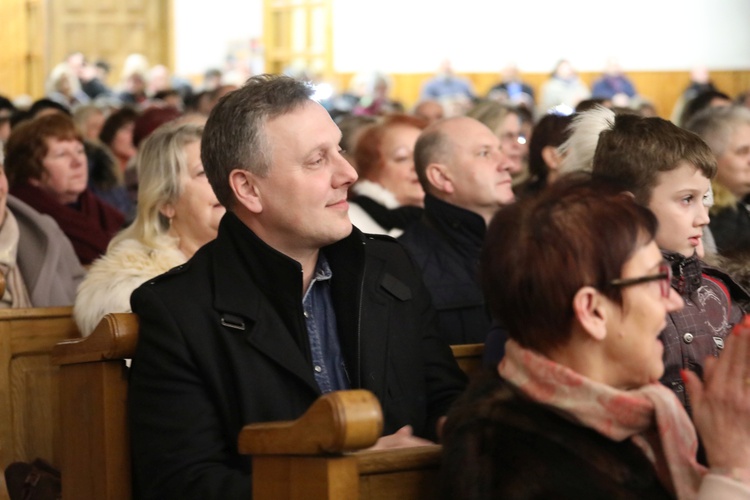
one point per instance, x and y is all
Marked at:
(651, 416)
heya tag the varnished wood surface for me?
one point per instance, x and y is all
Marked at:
(115, 337)
(93, 410)
(342, 421)
(29, 384)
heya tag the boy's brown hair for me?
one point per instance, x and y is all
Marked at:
(635, 150)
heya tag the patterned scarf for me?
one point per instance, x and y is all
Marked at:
(651, 416)
(89, 226)
(15, 294)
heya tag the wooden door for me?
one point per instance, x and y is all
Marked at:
(111, 30)
(22, 57)
(38, 34)
(298, 37)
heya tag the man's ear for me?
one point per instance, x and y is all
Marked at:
(246, 190)
(591, 310)
(439, 178)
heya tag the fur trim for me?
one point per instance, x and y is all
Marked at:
(113, 277)
(580, 147)
(376, 192)
(722, 198)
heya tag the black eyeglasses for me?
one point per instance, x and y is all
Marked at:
(664, 278)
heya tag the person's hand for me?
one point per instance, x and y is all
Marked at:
(721, 403)
(402, 438)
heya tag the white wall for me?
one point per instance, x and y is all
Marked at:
(402, 36)
(206, 30)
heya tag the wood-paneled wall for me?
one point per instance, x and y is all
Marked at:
(662, 88)
(21, 39)
(38, 34)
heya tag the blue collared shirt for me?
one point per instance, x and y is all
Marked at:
(328, 362)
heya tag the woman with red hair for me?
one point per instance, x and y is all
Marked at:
(388, 195)
(47, 168)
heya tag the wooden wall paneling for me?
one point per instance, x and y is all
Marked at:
(13, 39)
(22, 40)
(298, 34)
(111, 30)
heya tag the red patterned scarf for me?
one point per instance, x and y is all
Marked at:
(89, 227)
(651, 416)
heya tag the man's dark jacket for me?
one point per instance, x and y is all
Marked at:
(446, 243)
(223, 343)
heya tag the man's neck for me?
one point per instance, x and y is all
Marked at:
(308, 264)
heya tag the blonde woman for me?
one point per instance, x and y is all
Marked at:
(177, 214)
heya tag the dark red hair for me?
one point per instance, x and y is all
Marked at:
(368, 155)
(539, 252)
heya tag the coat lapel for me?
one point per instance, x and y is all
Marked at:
(248, 308)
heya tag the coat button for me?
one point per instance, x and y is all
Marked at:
(318, 368)
(688, 338)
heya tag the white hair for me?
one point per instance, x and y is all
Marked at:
(578, 151)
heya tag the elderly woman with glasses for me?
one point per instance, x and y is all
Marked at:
(576, 409)
(505, 122)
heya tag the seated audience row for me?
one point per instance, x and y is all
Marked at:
(575, 409)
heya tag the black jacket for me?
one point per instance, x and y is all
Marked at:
(730, 227)
(498, 444)
(445, 244)
(223, 343)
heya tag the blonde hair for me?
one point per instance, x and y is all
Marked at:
(491, 113)
(161, 165)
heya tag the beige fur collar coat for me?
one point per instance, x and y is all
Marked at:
(112, 278)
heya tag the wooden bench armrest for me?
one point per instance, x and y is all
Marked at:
(468, 357)
(402, 459)
(115, 337)
(337, 422)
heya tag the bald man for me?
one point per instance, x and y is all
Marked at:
(466, 180)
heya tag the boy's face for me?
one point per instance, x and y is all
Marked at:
(678, 203)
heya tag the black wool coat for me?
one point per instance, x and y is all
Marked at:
(223, 343)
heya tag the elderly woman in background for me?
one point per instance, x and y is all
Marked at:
(505, 122)
(727, 132)
(46, 166)
(388, 195)
(577, 410)
(117, 135)
(37, 261)
(177, 214)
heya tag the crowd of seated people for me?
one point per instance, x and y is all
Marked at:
(103, 189)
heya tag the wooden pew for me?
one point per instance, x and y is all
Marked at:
(293, 462)
(96, 450)
(469, 357)
(29, 410)
(93, 412)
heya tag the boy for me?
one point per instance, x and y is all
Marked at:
(669, 170)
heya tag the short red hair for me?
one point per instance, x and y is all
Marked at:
(367, 155)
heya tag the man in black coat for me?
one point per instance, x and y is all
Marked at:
(287, 303)
(466, 180)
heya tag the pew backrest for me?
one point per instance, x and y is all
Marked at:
(93, 410)
(29, 409)
(314, 457)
